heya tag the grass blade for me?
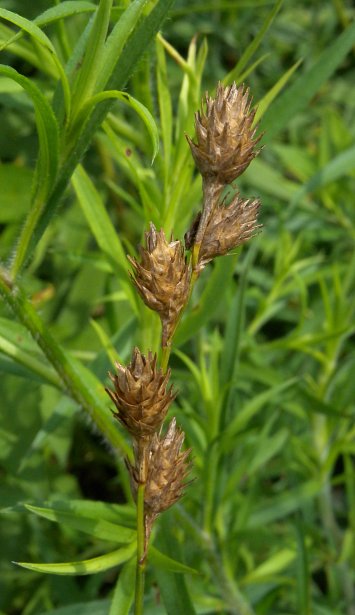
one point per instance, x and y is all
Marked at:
(134, 48)
(298, 95)
(103, 229)
(99, 528)
(124, 591)
(235, 73)
(89, 566)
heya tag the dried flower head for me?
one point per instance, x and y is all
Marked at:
(162, 278)
(141, 394)
(167, 470)
(225, 134)
(228, 228)
(164, 475)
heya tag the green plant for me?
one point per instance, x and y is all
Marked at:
(265, 344)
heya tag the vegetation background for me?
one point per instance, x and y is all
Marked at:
(264, 360)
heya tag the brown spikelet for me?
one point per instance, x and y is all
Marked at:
(228, 228)
(166, 475)
(162, 278)
(225, 134)
(141, 394)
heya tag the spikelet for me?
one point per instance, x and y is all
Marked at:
(228, 227)
(167, 469)
(162, 278)
(141, 395)
(225, 135)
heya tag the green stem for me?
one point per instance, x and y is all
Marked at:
(141, 555)
(232, 596)
(166, 351)
(211, 471)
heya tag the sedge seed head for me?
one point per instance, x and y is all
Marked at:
(225, 134)
(229, 227)
(162, 278)
(141, 394)
(167, 470)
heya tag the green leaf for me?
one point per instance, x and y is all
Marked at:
(15, 182)
(303, 576)
(48, 133)
(36, 33)
(263, 176)
(26, 359)
(281, 505)
(210, 300)
(91, 509)
(342, 164)
(271, 567)
(266, 101)
(89, 566)
(298, 95)
(98, 607)
(64, 9)
(47, 163)
(27, 26)
(254, 405)
(172, 586)
(102, 228)
(165, 108)
(116, 42)
(135, 46)
(140, 109)
(79, 381)
(124, 591)
(233, 336)
(235, 73)
(162, 561)
(84, 85)
(104, 530)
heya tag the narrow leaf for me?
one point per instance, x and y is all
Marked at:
(116, 41)
(162, 561)
(251, 49)
(210, 300)
(47, 128)
(140, 109)
(84, 84)
(135, 46)
(266, 101)
(89, 566)
(272, 566)
(64, 9)
(33, 30)
(102, 228)
(124, 590)
(298, 95)
(341, 165)
(104, 530)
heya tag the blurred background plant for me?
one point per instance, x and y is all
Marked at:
(264, 355)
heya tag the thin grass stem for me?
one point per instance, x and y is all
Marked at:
(141, 556)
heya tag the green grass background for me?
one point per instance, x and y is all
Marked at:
(264, 358)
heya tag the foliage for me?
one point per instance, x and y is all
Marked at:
(263, 358)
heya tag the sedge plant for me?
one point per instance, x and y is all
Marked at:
(265, 407)
(164, 277)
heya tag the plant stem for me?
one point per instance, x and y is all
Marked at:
(166, 350)
(234, 599)
(141, 555)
